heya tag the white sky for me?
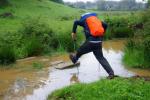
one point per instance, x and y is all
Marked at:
(93, 0)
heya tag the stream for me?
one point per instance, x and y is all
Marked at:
(50, 79)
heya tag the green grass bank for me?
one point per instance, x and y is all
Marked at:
(116, 89)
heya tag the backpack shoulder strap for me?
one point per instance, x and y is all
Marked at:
(86, 15)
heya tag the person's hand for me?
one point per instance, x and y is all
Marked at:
(73, 36)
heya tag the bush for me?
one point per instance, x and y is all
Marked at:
(137, 53)
(36, 27)
(122, 32)
(147, 51)
(7, 54)
(65, 41)
(33, 47)
(37, 36)
(118, 28)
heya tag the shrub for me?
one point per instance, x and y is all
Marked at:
(37, 36)
(36, 27)
(33, 47)
(65, 41)
(4, 3)
(118, 28)
(121, 32)
(7, 54)
(147, 51)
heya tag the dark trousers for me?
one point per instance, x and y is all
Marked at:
(96, 48)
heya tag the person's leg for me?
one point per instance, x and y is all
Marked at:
(85, 48)
(102, 60)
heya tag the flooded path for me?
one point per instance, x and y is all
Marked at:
(37, 85)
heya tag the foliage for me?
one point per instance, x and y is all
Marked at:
(118, 88)
(133, 54)
(3, 3)
(7, 54)
(7, 47)
(118, 28)
(36, 36)
(147, 51)
(33, 47)
(137, 52)
(37, 65)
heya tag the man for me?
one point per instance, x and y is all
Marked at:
(92, 43)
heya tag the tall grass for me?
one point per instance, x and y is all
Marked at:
(137, 53)
(7, 54)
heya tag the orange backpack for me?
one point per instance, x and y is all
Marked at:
(95, 26)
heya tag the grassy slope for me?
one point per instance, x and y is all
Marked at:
(48, 11)
(117, 89)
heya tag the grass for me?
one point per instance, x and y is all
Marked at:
(46, 9)
(37, 65)
(56, 15)
(116, 89)
(133, 58)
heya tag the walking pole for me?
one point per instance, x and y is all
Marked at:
(74, 43)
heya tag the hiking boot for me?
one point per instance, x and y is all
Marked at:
(73, 58)
(111, 77)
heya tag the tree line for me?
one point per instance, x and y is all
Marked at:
(110, 5)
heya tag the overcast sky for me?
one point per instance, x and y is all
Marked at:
(91, 0)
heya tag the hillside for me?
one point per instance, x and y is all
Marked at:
(56, 15)
(35, 27)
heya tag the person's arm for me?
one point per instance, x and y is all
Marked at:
(104, 25)
(76, 23)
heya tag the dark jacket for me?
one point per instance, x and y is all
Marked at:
(88, 36)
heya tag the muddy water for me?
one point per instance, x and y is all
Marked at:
(22, 84)
(89, 70)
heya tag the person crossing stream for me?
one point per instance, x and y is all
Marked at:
(94, 30)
